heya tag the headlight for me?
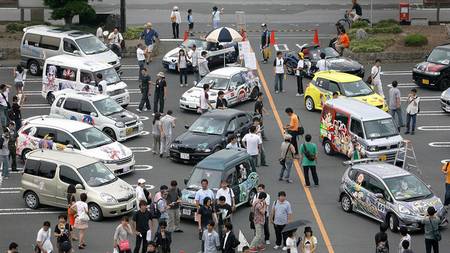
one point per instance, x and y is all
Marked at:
(206, 150)
(120, 124)
(183, 99)
(173, 146)
(372, 148)
(432, 73)
(108, 161)
(404, 210)
(109, 199)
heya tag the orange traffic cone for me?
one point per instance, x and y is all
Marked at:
(316, 37)
(185, 36)
(272, 38)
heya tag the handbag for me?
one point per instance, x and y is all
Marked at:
(370, 77)
(124, 245)
(83, 217)
(283, 160)
(436, 233)
(300, 129)
(308, 154)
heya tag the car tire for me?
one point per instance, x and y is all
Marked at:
(95, 212)
(251, 196)
(444, 83)
(108, 131)
(309, 104)
(346, 203)
(327, 147)
(50, 98)
(31, 199)
(216, 149)
(392, 222)
(290, 68)
(254, 94)
(24, 154)
(34, 67)
(125, 106)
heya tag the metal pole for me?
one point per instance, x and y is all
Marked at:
(371, 13)
(123, 19)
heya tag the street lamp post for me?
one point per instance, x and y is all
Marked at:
(371, 13)
(123, 18)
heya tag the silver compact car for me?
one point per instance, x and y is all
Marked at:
(445, 100)
(388, 193)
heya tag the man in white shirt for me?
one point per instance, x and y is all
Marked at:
(262, 188)
(205, 105)
(322, 64)
(140, 55)
(101, 84)
(115, 40)
(202, 193)
(299, 73)
(252, 142)
(203, 68)
(411, 110)
(167, 123)
(140, 194)
(175, 18)
(194, 56)
(227, 193)
(4, 92)
(43, 240)
(376, 77)
(99, 33)
(279, 70)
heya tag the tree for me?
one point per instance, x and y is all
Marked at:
(67, 9)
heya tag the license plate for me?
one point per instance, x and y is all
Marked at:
(131, 130)
(184, 156)
(172, 66)
(187, 212)
(382, 157)
(192, 106)
(126, 169)
(129, 205)
(425, 81)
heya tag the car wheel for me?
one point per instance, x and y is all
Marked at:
(216, 149)
(327, 147)
(254, 94)
(290, 68)
(124, 106)
(393, 222)
(309, 104)
(24, 154)
(50, 98)
(251, 196)
(444, 83)
(108, 131)
(31, 200)
(346, 203)
(34, 68)
(95, 212)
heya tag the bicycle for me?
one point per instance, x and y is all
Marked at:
(347, 21)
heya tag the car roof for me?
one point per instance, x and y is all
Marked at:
(70, 158)
(56, 31)
(339, 77)
(228, 71)
(226, 113)
(357, 109)
(382, 170)
(77, 62)
(222, 159)
(80, 95)
(63, 124)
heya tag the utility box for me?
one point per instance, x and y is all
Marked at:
(404, 14)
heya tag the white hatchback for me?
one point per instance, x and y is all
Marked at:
(68, 135)
(101, 111)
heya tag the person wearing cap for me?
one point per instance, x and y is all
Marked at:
(299, 72)
(265, 43)
(140, 193)
(431, 227)
(309, 242)
(160, 93)
(175, 18)
(286, 158)
(148, 35)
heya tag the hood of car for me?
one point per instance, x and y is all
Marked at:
(195, 92)
(111, 152)
(188, 194)
(197, 140)
(119, 189)
(446, 94)
(372, 99)
(124, 116)
(172, 55)
(420, 206)
(429, 67)
(343, 64)
(385, 141)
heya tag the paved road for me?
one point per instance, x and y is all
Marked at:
(346, 232)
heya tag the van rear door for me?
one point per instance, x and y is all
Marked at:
(41, 180)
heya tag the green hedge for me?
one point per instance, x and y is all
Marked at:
(360, 24)
(371, 45)
(386, 23)
(133, 33)
(415, 40)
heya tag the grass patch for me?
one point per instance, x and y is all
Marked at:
(415, 40)
(360, 24)
(372, 45)
(133, 33)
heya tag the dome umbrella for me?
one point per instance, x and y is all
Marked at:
(223, 34)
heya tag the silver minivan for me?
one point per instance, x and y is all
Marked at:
(48, 173)
(41, 42)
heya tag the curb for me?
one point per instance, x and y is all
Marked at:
(391, 57)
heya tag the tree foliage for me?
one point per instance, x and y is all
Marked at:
(67, 9)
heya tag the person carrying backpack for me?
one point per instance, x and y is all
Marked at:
(308, 152)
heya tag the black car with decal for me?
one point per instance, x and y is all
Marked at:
(435, 70)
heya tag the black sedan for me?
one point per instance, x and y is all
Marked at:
(209, 134)
(334, 61)
(435, 70)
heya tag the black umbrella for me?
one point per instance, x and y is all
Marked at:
(224, 34)
(294, 225)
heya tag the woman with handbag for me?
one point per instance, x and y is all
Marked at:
(287, 158)
(121, 236)
(432, 234)
(81, 219)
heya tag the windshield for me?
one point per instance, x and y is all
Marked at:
(216, 83)
(407, 188)
(108, 106)
(329, 53)
(208, 125)
(354, 89)
(439, 55)
(190, 43)
(109, 75)
(92, 138)
(380, 128)
(213, 177)
(91, 45)
(97, 174)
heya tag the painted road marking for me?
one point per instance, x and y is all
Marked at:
(396, 73)
(144, 133)
(143, 118)
(243, 241)
(140, 149)
(424, 98)
(434, 128)
(404, 85)
(308, 194)
(439, 144)
(142, 167)
(445, 161)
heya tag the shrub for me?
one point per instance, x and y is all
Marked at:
(360, 24)
(415, 40)
(133, 33)
(370, 45)
(386, 23)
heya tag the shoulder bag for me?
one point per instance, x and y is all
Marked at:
(309, 156)
(300, 129)
(83, 217)
(283, 160)
(370, 77)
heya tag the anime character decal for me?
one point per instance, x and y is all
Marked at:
(336, 131)
(88, 119)
(50, 85)
(114, 152)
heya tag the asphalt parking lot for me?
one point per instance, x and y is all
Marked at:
(336, 230)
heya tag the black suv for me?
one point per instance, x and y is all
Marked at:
(435, 70)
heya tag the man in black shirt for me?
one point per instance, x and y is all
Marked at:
(259, 111)
(173, 200)
(381, 239)
(62, 234)
(223, 211)
(160, 93)
(221, 102)
(141, 224)
(356, 12)
(145, 90)
(265, 43)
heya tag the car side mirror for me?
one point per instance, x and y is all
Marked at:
(195, 83)
(79, 187)
(426, 57)
(93, 114)
(379, 195)
(69, 146)
(186, 181)
(186, 126)
(76, 52)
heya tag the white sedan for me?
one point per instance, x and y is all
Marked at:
(239, 84)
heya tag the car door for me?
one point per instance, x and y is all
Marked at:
(88, 112)
(243, 170)
(71, 109)
(378, 197)
(242, 89)
(243, 124)
(47, 183)
(66, 177)
(341, 138)
(321, 85)
(65, 139)
(231, 128)
(233, 87)
(69, 46)
(68, 79)
(230, 177)
(45, 137)
(57, 109)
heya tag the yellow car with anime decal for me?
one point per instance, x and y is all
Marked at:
(325, 83)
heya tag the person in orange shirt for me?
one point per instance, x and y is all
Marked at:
(446, 170)
(342, 42)
(293, 127)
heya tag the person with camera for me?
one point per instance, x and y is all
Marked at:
(294, 128)
(308, 152)
(286, 158)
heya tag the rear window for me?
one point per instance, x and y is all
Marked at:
(51, 43)
(32, 39)
(47, 169)
(31, 167)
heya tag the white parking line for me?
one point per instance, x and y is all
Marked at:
(404, 85)
(434, 128)
(140, 149)
(439, 144)
(424, 98)
(142, 167)
(396, 73)
(32, 213)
